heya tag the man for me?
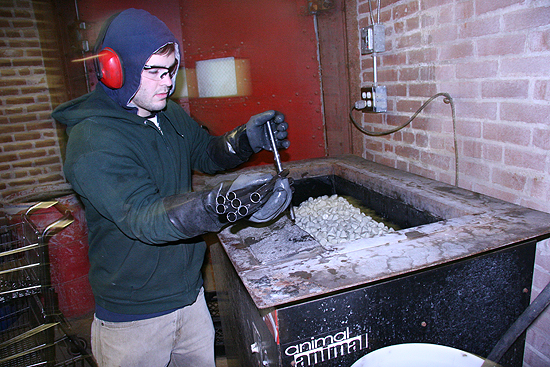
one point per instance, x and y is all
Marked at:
(130, 155)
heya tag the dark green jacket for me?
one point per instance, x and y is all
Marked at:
(122, 166)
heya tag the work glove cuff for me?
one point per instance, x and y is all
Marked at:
(193, 213)
(230, 149)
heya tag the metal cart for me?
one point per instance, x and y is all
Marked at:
(33, 331)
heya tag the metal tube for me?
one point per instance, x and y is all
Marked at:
(374, 71)
(278, 164)
(232, 217)
(235, 203)
(255, 197)
(220, 208)
(243, 210)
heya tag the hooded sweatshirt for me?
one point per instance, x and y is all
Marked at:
(122, 165)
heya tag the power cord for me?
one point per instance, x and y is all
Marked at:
(359, 105)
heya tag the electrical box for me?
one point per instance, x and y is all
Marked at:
(373, 39)
(375, 97)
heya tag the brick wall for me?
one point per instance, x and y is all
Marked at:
(32, 83)
(493, 57)
(537, 350)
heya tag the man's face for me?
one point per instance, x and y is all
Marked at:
(156, 83)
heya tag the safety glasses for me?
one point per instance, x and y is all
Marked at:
(159, 72)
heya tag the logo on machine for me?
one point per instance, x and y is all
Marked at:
(324, 348)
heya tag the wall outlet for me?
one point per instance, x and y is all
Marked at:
(376, 99)
(373, 39)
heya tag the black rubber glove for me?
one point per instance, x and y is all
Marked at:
(245, 199)
(197, 213)
(258, 135)
(277, 203)
(241, 198)
(230, 149)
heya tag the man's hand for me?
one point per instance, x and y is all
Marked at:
(259, 197)
(258, 135)
(277, 202)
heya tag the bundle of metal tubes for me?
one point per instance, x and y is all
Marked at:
(236, 204)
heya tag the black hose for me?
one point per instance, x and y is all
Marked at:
(520, 325)
(448, 99)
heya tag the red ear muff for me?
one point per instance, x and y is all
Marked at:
(110, 68)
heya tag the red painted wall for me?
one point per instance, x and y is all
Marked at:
(278, 38)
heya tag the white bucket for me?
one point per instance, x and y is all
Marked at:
(418, 355)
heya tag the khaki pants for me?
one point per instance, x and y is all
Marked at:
(183, 338)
